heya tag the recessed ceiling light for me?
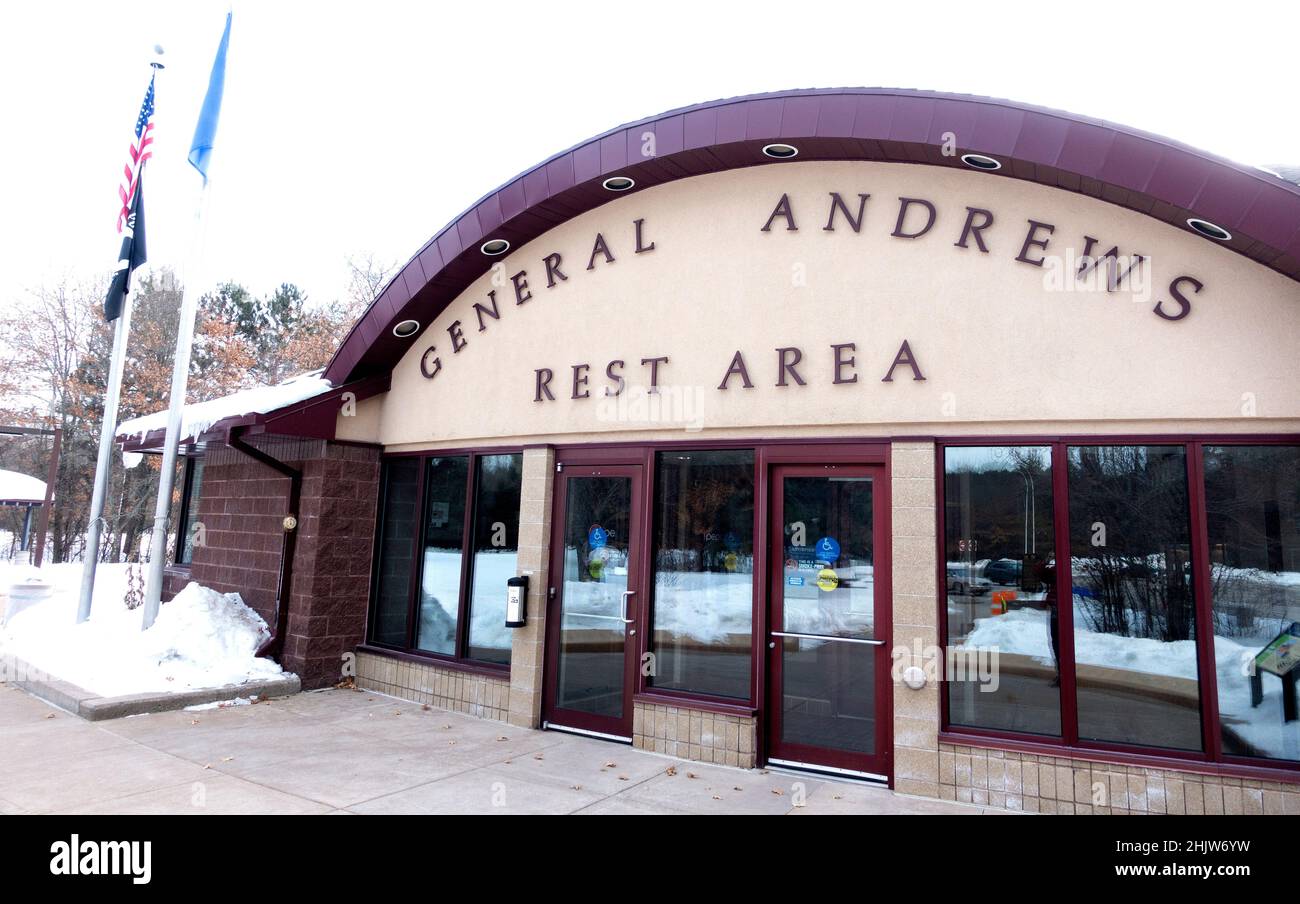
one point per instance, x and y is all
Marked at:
(980, 162)
(781, 151)
(494, 247)
(1210, 230)
(618, 183)
(406, 329)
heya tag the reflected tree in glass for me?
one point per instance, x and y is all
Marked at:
(1134, 613)
(1001, 588)
(704, 572)
(396, 551)
(1252, 503)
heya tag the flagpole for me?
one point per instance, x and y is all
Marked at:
(200, 158)
(107, 431)
(175, 410)
(104, 465)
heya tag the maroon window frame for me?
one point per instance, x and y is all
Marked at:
(1069, 743)
(460, 660)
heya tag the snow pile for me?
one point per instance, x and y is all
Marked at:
(199, 416)
(208, 635)
(1025, 632)
(714, 607)
(201, 638)
(1019, 631)
(15, 487)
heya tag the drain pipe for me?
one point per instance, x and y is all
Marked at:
(284, 585)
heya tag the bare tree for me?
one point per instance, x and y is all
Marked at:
(367, 277)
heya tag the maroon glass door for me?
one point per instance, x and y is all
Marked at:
(828, 661)
(596, 593)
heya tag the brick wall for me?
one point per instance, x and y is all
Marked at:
(485, 696)
(694, 735)
(242, 508)
(331, 579)
(1044, 784)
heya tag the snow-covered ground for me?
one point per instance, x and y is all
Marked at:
(200, 639)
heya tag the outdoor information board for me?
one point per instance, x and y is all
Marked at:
(1279, 657)
(1282, 653)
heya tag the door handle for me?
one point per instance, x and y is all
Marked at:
(626, 594)
(830, 637)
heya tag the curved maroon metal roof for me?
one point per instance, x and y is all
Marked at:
(1155, 176)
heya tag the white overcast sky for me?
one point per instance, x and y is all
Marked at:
(365, 126)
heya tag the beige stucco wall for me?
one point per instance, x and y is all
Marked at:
(1004, 346)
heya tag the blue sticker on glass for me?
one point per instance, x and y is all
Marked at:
(794, 581)
(828, 550)
(597, 537)
(731, 541)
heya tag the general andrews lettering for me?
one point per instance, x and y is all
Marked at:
(917, 217)
(1036, 243)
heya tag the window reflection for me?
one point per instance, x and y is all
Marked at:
(1252, 502)
(396, 550)
(828, 686)
(1000, 582)
(593, 633)
(444, 531)
(193, 493)
(496, 554)
(704, 572)
(1134, 615)
(829, 566)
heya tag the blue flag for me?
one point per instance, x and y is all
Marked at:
(205, 133)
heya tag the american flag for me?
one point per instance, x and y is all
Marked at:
(141, 150)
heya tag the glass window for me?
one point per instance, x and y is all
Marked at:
(1134, 615)
(444, 534)
(496, 554)
(190, 509)
(396, 550)
(704, 572)
(1252, 504)
(1000, 577)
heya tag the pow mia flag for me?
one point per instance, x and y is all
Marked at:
(132, 255)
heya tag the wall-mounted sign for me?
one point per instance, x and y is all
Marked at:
(1038, 242)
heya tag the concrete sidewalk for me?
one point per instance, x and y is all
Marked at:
(359, 752)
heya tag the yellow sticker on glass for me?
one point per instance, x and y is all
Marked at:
(827, 579)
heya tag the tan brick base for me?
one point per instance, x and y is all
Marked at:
(485, 696)
(1045, 784)
(695, 735)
